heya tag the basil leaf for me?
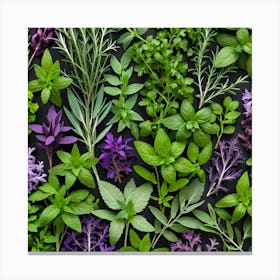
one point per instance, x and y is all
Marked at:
(225, 57)
(45, 95)
(115, 231)
(183, 165)
(225, 40)
(180, 183)
(79, 195)
(187, 110)
(48, 215)
(168, 173)
(193, 152)
(145, 243)
(201, 139)
(61, 83)
(173, 122)
(205, 154)
(46, 61)
(242, 35)
(229, 129)
(243, 184)
(134, 239)
(228, 201)
(162, 143)
(86, 178)
(238, 213)
(72, 221)
(144, 173)
(104, 214)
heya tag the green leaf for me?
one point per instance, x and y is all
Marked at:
(180, 183)
(146, 174)
(227, 101)
(216, 108)
(228, 201)
(63, 156)
(177, 148)
(129, 189)
(50, 239)
(127, 57)
(170, 236)
(61, 83)
(127, 249)
(145, 128)
(79, 195)
(158, 215)
(140, 223)
(238, 213)
(47, 188)
(248, 48)
(70, 180)
(195, 191)
(189, 222)
(35, 85)
(203, 217)
(133, 88)
(49, 213)
(232, 115)
(55, 98)
(223, 214)
(225, 57)
(173, 122)
(162, 143)
(229, 230)
(242, 35)
(183, 165)
(145, 243)
(201, 139)
(178, 228)
(40, 73)
(54, 71)
(113, 91)
(45, 95)
(209, 229)
(38, 196)
(174, 207)
(226, 40)
(130, 102)
(75, 106)
(46, 61)
(229, 129)
(111, 195)
(249, 65)
(81, 208)
(135, 116)
(205, 154)
(203, 115)
(72, 221)
(147, 153)
(187, 110)
(112, 80)
(125, 39)
(104, 214)
(115, 231)
(140, 197)
(86, 178)
(134, 239)
(168, 173)
(210, 128)
(193, 151)
(243, 184)
(115, 64)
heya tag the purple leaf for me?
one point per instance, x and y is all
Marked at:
(49, 140)
(36, 128)
(68, 140)
(41, 39)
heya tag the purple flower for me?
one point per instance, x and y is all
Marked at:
(51, 134)
(224, 166)
(41, 39)
(94, 236)
(36, 173)
(246, 137)
(247, 102)
(117, 156)
(192, 243)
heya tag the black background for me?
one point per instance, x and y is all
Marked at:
(43, 109)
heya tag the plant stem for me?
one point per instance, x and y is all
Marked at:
(126, 234)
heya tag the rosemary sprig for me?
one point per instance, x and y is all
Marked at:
(212, 81)
(87, 51)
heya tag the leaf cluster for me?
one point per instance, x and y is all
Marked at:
(32, 109)
(128, 205)
(49, 81)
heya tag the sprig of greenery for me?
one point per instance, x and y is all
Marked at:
(226, 117)
(49, 81)
(128, 204)
(212, 82)
(32, 109)
(87, 50)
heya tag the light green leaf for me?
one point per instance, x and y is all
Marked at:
(158, 215)
(177, 148)
(195, 191)
(115, 64)
(86, 178)
(134, 239)
(129, 189)
(180, 183)
(243, 184)
(61, 83)
(63, 156)
(173, 122)
(40, 73)
(140, 223)
(174, 207)
(146, 174)
(104, 214)
(187, 110)
(203, 217)
(49, 213)
(145, 243)
(133, 88)
(183, 165)
(242, 35)
(35, 85)
(162, 143)
(115, 231)
(205, 154)
(225, 57)
(193, 151)
(189, 222)
(72, 221)
(113, 91)
(75, 106)
(203, 115)
(170, 236)
(228, 201)
(46, 61)
(111, 195)
(168, 173)
(79, 195)
(112, 80)
(45, 95)
(238, 213)
(226, 40)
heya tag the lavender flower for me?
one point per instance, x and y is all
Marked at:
(40, 40)
(193, 243)
(246, 137)
(94, 236)
(224, 166)
(51, 134)
(36, 173)
(117, 156)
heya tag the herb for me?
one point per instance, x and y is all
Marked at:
(241, 200)
(117, 156)
(39, 41)
(32, 109)
(62, 208)
(49, 81)
(129, 203)
(87, 50)
(218, 222)
(194, 125)
(141, 245)
(226, 117)
(161, 59)
(211, 82)
(185, 202)
(123, 107)
(75, 166)
(225, 166)
(36, 173)
(126, 38)
(246, 137)
(92, 238)
(51, 133)
(193, 243)
(235, 48)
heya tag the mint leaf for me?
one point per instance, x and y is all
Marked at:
(162, 143)
(72, 221)
(111, 195)
(112, 80)
(115, 64)
(78, 195)
(61, 83)
(238, 213)
(141, 224)
(104, 214)
(47, 61)
(86, 178)
(115, 231)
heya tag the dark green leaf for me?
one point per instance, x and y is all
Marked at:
(203, 217)
(170, 236)
(226, 40)
(86, 178)
(173, 122)
(48, 215)
(158, 215)
(223, 214)
(174, 207)
(178, 228)
(72, 221)
(195, 191)
(187, 110)
(209, 229)
(144, 173)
